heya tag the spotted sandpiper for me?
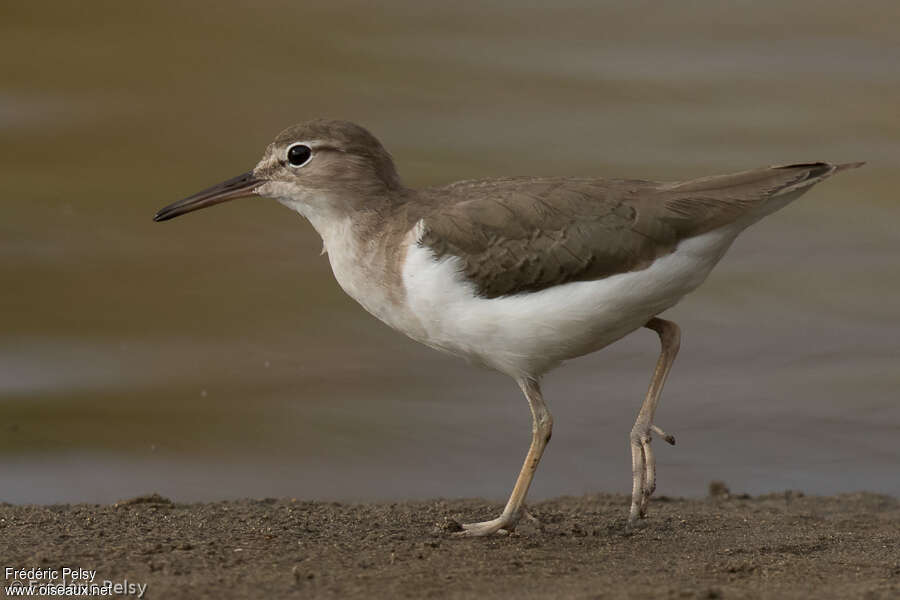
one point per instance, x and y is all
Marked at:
(518, 274)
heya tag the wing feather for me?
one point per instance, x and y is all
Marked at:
(518, 235)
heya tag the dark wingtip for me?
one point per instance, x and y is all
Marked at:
(822, 166)
(819, 170)
(815, 169)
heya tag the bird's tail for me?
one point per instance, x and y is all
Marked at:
(744, 197)
(845, 166)
(809, 174)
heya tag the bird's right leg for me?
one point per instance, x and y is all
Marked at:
(541, 429)
(643, 464)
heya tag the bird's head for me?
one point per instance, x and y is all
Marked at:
(320, 167)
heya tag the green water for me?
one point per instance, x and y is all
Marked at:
(215, 356)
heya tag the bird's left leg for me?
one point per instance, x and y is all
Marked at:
(643, 465)
(541, 429)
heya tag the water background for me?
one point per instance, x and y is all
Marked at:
(215, 357)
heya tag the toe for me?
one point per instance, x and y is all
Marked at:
(501, 525)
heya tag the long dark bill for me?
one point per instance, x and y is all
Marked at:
(236, 187)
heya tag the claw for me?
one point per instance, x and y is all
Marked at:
(658, 431)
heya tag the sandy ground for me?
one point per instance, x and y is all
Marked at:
(776, 546)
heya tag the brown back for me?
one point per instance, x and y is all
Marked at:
(525, 234)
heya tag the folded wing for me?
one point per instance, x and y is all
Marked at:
(520, 235)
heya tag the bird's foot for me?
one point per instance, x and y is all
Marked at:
(643, 470)
(670, 439)
(504, 524)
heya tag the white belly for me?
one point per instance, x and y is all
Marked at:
(530, 333)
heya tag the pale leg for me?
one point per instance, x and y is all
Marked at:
(541, 429)
(643, 465)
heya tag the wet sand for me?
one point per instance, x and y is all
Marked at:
(784, 545)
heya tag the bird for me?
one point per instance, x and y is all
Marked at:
(517, 274)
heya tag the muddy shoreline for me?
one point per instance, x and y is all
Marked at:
(784, 545)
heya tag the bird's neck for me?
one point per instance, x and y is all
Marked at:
(337, 218)
(365, 250)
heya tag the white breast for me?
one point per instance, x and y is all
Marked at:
(530, 333)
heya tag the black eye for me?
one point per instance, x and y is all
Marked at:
(299, 154)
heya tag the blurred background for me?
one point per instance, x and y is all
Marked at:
(215, 356)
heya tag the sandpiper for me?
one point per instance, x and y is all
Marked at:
(518, 274)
